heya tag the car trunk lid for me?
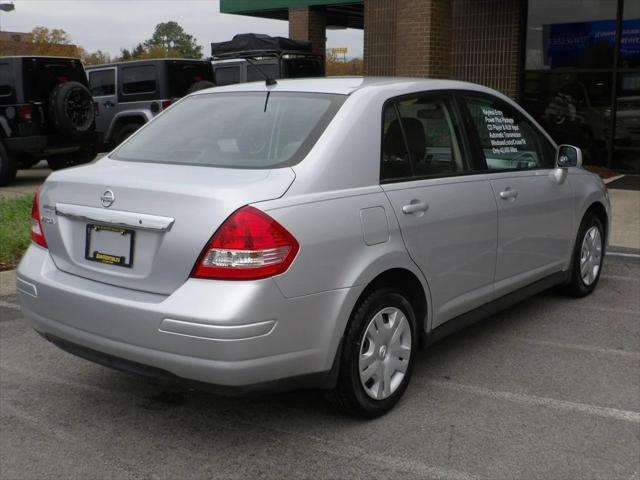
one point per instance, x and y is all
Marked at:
(142, 226)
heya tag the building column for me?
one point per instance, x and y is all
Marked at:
(380, 37)
(487, 44)
(309, 23)
(407, 38)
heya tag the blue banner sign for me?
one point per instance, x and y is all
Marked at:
(590, 44)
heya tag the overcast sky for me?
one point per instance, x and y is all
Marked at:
(110, 25)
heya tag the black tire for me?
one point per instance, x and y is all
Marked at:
(200, 85)
(72, 110)
(350, 395)
(8, 167)
(124, 132)
(83, 155)
(576, 286)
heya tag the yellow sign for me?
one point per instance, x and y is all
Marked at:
(339, 50)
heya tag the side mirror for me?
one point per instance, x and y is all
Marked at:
(568, 156)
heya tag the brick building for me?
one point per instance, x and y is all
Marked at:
(574, 64)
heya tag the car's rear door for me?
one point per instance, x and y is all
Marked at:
(447, 213)
(535, 214)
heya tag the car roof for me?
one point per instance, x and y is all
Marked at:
(348, 85)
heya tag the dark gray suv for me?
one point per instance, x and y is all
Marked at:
(46, 112)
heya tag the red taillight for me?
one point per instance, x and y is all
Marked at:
(25, 113)
(249, 245)
(166, 104)
(37, 235)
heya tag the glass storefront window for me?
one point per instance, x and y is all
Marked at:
(626, 155)
(571, 34)
(571, 80)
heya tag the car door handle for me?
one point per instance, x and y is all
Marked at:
(109, 104)
(415, 207)
(508, 193)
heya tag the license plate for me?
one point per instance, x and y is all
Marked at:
(109, 245)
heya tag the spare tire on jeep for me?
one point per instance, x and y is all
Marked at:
(200, 85)
(71, 109)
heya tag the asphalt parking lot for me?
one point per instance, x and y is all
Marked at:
(547, 389)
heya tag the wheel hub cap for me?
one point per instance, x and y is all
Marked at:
(590, 255)
(384, 353)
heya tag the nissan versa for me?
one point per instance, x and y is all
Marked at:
(309, 233)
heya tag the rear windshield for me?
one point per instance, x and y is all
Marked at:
(42, 74)
(182, 75)
(235, 130)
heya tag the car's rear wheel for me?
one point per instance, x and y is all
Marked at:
(378, 354)
(588, 256)
(8, 167)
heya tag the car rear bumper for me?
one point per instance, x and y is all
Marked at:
(231, 334)
(43, 145)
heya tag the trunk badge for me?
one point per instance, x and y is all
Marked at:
(107, 198)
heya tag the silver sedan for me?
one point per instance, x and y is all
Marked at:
(309, 233)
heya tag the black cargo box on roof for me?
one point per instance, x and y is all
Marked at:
(253, 44)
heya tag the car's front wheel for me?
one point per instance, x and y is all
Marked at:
(588, 256)
(378, 354)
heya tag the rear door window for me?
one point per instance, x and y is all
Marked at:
(138, 80)
(508, 140)
(102, 83)
(421, 139)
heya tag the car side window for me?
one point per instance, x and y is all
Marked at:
(395, 157)
(420, 139)
(139, 79)
(102, 82)
(431, 136)
(508, 140)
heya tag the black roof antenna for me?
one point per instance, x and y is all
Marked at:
(267, 79)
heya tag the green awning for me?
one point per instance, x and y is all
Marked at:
(245, 6)
(339, 13)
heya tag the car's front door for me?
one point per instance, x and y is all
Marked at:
(102, 83)
(447, 214)
(535, 206)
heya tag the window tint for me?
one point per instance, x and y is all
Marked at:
(395, 158)
(508, 140)
(227, 75)
(422, 141)
(139, 79)
(429, 129)
(235, 130)
(102, 82)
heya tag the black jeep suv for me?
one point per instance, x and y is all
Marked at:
(46, 112)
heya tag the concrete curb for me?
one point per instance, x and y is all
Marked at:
(7, 283)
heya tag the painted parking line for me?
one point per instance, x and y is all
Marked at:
(9, 305)
(534, 400)
(570, 346)
(622, 254)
